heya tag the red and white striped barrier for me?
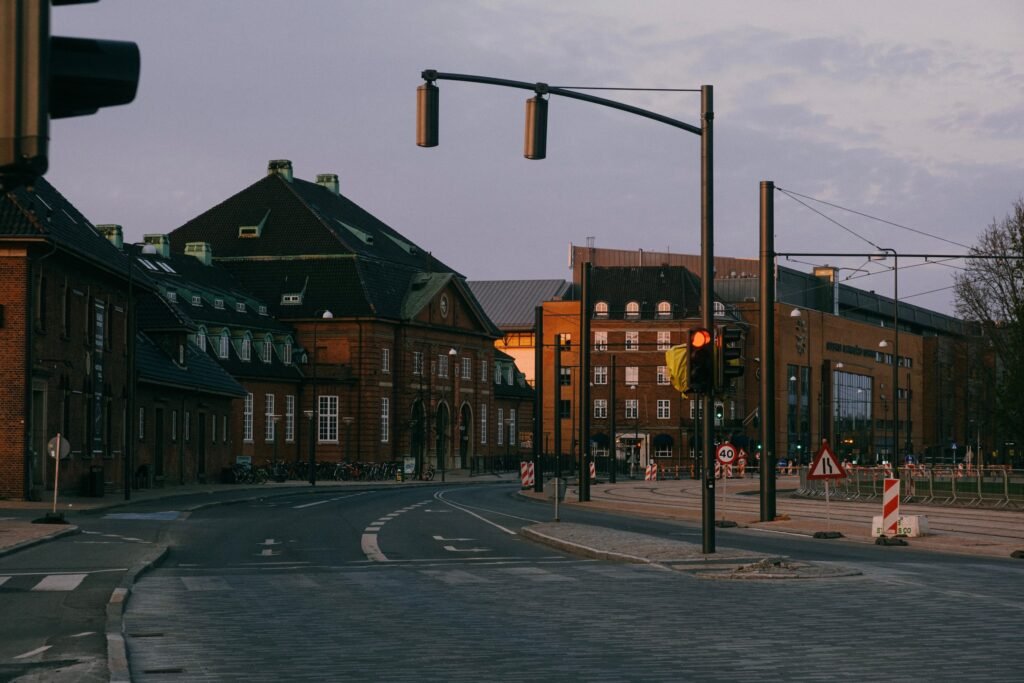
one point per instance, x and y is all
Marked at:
(719, 471)
(890, 507)
(651, 473)
(742, 466)
(526, 473)
(593, 471)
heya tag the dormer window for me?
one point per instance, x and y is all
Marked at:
(225, 344)
(601, 309)
(172, 296)
(291, 299)
(245, 351)
(632, 310)
(240, 307)
(286, 352)
(268, 349)
(263, 309)
(200, 339)
(218, 304)
(197, 300)
(664, 309)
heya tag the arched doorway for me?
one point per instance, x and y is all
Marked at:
(418, 434)
(465, 435)
(442, 422)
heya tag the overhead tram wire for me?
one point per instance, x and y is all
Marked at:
(792, 195)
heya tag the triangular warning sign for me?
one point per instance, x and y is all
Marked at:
(825, 465)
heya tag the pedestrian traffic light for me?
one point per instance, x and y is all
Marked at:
(701, 361)
(728, 344)
(719, 412)
(43, 78)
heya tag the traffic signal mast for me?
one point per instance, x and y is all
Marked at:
(729, 361)
(700, 361)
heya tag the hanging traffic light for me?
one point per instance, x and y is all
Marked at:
(536, 143)
(701, 361)
(43, 78)
(427, 107)
(728, 344)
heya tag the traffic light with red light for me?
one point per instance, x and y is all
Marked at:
(700, 358)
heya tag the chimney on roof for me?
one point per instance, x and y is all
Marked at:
(201, 250)
(281, 167)
(161, 244)
(328, 180)
(113, 233)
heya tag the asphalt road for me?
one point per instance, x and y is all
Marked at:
(435, 584)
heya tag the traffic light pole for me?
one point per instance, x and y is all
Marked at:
(707, 275)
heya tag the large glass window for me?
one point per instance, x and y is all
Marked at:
(631, 408)
(798, 405)
(600, 340)
(632, 340)
(852, 418)
(327, 430)
(664, 340)
(600, 374)
(600, 408)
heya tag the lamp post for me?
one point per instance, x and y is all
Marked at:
(347, 421)
(449, 435)
(318, 316)
(310, 448)
(131, 329)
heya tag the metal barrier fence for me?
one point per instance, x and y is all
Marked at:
(998, 487)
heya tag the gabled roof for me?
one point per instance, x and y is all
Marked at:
(511, 303)
(299, 218)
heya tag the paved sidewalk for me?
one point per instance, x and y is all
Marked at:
(964, 530)
(18, 530)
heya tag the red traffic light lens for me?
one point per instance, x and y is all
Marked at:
(699, 338)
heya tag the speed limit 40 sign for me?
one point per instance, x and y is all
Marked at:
(726, 453)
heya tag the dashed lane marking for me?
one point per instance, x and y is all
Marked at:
(59, 582)
(33, 653)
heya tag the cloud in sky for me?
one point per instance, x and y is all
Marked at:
(909, 111)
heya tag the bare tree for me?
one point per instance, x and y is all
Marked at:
(990, 291)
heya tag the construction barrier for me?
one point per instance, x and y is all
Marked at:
(526, 473)
(593, 471)
(890, 507)
(651, 473)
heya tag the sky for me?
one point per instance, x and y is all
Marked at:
(910, 112)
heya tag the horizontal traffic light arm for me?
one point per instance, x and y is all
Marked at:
(430, 75)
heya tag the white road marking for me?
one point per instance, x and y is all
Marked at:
(453, 549)
(267, 552)
(59, 582)
(270, 541)
(442, 538)
(440, 496)
(368, 543)
(4, 579)
(329, 500)
(83, 634)
(32, 653)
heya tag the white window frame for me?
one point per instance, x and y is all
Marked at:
(664, 309)
(327, 422)
(224, 349)
(601, 309)
(417, 362)
(600, 374)
(664, 340)
(632, 342)
(501, 426)
(269, 428)
(245, 349)
(442, 365)
(467, 368)
(286, 352)
(663, 374)
(483, 369)
(631, 411)
(268, 349)
(632, 375)
(483, 424)
(664, 409)
(632, 310)
(289, 418)
(247, 419)
(513, 427)
(385, 419)
(600, 408)
(600, 340)
(385, 361)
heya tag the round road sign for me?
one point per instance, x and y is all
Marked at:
(726, 453)
(65, 447)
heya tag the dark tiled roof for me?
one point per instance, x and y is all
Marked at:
(255, 368)
(647, 286)
(200, 373)
(510, 303)
(300, 218)
(46, 213)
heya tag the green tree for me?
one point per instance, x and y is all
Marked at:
(990, 291)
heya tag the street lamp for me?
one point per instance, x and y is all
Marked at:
(347, 421)
(449, 435)
(132, 328)
(318, 316)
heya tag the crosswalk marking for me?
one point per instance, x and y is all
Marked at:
(59, 582)
(3, 579)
